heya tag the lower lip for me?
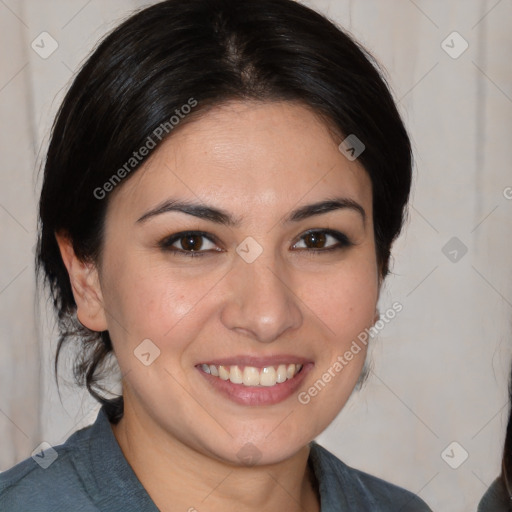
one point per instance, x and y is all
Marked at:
(258, 395)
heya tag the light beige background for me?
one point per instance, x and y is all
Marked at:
(440, 368)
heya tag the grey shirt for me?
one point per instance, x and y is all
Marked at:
(496, 499)
(91, 474)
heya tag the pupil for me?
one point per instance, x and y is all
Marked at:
(192, 243)
(316, 240)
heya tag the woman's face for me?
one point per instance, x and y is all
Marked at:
(245, 242)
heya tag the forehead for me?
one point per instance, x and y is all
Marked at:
(248, 155)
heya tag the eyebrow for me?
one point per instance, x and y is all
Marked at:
(220, 216)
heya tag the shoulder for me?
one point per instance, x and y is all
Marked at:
(359, 490)
(47, 481)
(495, 499)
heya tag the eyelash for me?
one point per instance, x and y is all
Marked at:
(343, 242)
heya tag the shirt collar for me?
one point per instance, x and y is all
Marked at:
(107, 475)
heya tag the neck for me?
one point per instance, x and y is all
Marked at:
(179, 477)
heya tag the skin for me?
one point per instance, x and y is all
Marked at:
(258, 162)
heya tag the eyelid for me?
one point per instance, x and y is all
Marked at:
(168, 241)
(166, 244)
(343, 240)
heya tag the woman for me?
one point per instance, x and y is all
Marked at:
(223, 185)
(498, 497)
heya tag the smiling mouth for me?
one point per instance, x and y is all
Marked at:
(252, 376)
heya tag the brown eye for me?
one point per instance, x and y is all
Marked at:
(191, 242)
(322, 240)
(315, 240)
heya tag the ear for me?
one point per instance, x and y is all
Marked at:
(85, 284)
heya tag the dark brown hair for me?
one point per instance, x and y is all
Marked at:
(212, 51)
(506, 463)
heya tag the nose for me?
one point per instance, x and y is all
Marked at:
(260, 301)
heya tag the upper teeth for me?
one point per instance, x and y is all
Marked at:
(252, 376)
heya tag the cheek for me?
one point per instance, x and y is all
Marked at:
(154, 301)
(344, 300)
(171, 305)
